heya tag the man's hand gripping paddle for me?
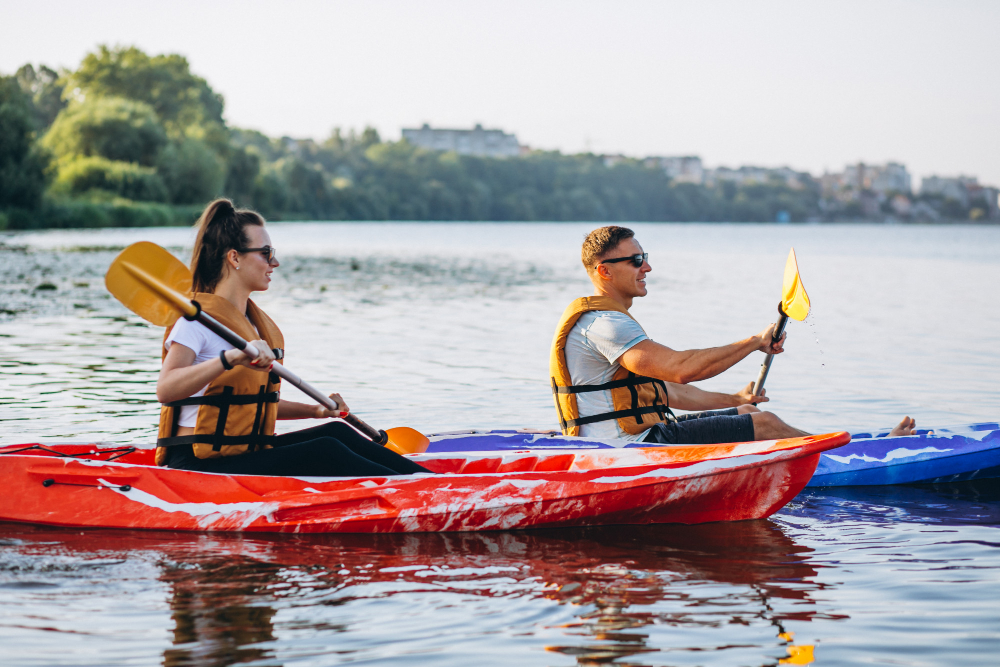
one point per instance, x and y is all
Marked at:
(794, 304)
(154, 285)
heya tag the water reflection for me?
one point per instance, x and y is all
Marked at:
(956, 504)
(618, 592)
(218, 611)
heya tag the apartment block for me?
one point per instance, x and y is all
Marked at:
(477, 141)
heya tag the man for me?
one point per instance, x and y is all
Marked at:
(611, 381)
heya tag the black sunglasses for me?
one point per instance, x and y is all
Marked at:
(267, 251)
(637, 260)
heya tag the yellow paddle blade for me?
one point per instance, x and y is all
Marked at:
(405, 440)
(794, 300)
(151, 282)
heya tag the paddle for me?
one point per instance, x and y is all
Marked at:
(152, 283)
(794, 304)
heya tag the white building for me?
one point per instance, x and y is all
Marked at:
(682, 169)
(477, 141)
(756, 176)
(957, 188)
(891, 177)
(964, 189)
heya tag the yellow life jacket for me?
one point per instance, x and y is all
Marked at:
(237, 413)
(639, 401)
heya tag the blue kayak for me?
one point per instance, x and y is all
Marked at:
(950, 454)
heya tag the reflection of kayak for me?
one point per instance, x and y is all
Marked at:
(616, 583)
(950, 504)
(118, 487)
(637, 562)
(955, 454)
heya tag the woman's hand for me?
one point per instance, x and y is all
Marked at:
(745, 396)
(341, 411)
(262, 362)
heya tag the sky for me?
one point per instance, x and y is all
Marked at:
(810, 85)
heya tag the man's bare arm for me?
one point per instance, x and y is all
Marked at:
(688, 397)
(655, 360)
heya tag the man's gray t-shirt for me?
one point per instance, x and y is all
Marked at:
(593, 348)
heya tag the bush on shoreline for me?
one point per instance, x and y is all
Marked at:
(78, 214)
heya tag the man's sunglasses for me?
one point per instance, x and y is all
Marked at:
(267, 251)
(637, 260)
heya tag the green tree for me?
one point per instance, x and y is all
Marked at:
(46, 91)
(242, 169)
(98, 178)
(22, 163)
(111, 127)
(184, 102)
(193, 172)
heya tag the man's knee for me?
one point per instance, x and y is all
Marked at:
(763, 419)
(747, 409)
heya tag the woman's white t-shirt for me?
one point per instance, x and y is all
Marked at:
(205, 345)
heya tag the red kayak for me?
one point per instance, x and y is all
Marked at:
(89, 485)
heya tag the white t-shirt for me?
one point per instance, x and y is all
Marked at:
(593, 348)
(205, 345)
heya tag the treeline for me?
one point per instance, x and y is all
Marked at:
(129, 139)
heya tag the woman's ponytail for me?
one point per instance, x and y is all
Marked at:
(220, 229)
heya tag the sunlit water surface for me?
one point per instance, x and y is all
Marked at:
(445, 326)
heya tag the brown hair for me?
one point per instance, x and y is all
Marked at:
(220, 229)
(600, 242)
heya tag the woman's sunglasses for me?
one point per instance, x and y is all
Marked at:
(267, 251)
(637, 260)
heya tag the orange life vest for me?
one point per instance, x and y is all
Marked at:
(237, 413)
(639, 402)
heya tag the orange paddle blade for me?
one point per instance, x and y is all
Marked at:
(151, 282)
(794, 300)
(405, 440)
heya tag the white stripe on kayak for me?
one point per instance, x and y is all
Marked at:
(205, 513)
(901, 453)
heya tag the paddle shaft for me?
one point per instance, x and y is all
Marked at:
(378, 437)
(766, 366)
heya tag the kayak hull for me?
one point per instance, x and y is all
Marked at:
(951, 454)
(78, 486)
(957, 454)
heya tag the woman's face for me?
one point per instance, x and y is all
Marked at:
(255, 270)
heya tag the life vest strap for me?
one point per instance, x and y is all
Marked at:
(617, 414)
(660, 408)
(254, 440)
(219, 400)
(613, 384)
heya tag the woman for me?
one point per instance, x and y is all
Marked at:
(219, 405)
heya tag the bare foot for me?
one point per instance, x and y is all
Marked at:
(906, 427)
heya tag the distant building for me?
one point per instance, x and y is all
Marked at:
(891, 177)
(957, 188)
(477, 141)
(966, 190)
(611, 160)
(684, 169)
(757, 176)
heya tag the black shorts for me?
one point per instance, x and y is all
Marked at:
(704, 428)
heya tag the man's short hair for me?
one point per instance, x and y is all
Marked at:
(600, 242)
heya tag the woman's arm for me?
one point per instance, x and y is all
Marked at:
(293, 410)
(181, 378)
(686, 397)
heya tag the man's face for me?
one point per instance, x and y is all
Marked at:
(627, 278)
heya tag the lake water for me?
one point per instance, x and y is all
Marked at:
(445, 326)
